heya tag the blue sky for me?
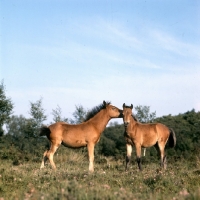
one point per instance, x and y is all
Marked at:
(83, 52)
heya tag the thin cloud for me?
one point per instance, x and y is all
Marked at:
(175, 45)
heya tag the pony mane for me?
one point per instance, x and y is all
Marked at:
(134, 117)
(95, 110)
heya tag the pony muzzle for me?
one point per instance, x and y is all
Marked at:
(126, 124)
(121, 114)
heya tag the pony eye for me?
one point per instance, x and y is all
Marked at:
(113, 108)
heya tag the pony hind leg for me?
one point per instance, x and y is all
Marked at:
(44, 159)
(128, 155)
(50, 155)
(144, 151)
(161, 147)
(165, 162)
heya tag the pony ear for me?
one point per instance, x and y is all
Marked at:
(131, 106)
(124, 105)
(104, 103)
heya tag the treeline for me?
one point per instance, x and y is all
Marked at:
(20, 141)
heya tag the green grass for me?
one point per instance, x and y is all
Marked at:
(72, 181)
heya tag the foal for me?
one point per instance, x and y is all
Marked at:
(79, 135)
(145, 135)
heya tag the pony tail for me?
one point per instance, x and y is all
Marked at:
(44, 131)
(172, 138)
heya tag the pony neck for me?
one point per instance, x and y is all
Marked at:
(133, 121)
(100, 120)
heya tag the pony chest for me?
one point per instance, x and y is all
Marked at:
(130, 133)
(129, 137)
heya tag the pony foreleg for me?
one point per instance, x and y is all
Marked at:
(44, 159)
(91, 157)
(128, 155)
(138, 154)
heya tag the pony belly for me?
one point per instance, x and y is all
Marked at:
(148, 143)
(74, 144)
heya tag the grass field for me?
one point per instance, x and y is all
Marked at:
(72, 181)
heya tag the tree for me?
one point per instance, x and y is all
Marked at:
(107, 147)
(57, 115)
(143, 114)
(37, 117)
(79, 115)
(16, 125)
(6, 107)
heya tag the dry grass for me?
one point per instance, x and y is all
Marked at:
(109, 181)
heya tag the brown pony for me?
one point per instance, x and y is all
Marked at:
(85, 134)
(145, 135)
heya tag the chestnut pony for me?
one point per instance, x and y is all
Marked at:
(145, 135)
(79, 135)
